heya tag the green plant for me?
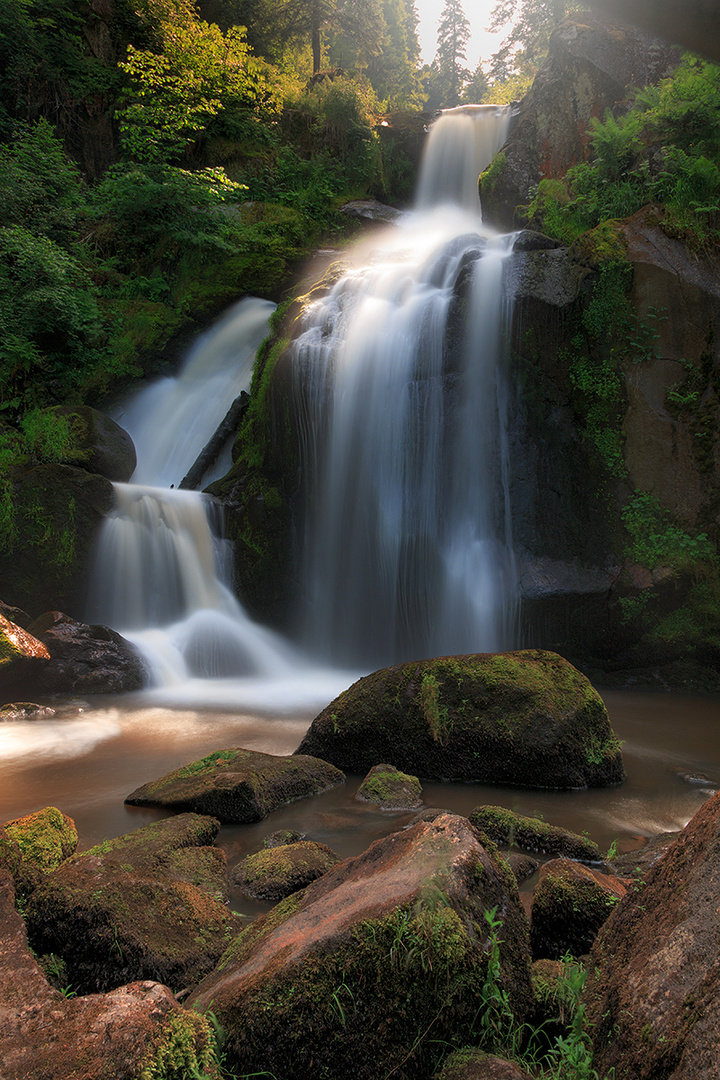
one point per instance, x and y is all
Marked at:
(495, 1020)
(657, 540)
(435, 714)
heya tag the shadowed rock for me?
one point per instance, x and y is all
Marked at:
(85, 659)
(238, 786)
(506, 828)
(570, 904)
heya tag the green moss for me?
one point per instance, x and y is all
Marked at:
(492, 175)
(45, 839)
(187, 1048)
(508, 828)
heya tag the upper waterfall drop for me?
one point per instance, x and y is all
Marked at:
(400, 379)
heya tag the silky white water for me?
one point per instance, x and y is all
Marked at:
(400, 380)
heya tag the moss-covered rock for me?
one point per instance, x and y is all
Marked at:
(378, 964)
(274, 873)
(473, 1064)
(101, 445)
(45, 838)
(524, 718)
(237, 785)
(570, 904)
(390, 789)
(507, 829)
(125, 909)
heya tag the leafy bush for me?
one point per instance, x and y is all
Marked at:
(657, 540)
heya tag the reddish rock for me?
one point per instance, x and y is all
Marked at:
(343, 976)
(653, 990)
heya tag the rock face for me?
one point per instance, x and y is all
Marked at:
(306, 989)
(389, 789)
(128, 909)
(58, 510)
(44, 1034)
(590, 67)
(278, 872)
(238, 786)
(85, 659)
(523, 718)
(570, 904)
(506, 828)
(653, 991)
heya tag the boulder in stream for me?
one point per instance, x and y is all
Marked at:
(277, 872)
(570, 904)
(347, 977)
(506, 828)
(85, 659)
(653, 989)
(389, 789)
(525, 718)
(139, 907)
(238, 786)
(44, 1033)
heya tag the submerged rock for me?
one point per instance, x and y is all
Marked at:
(525, 718)
(506, 828)
(238, 786)
(44, 1033)
(274, 873)
(570, 904)
(342, 978)
(653, 990)
(390, 789)
(127, 910)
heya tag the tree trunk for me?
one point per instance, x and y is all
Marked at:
(316, 49)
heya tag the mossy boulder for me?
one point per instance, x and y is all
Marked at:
(100, 444)
(525, 718)
(390, 789)
(274, 873)
(653, 989)
(125, 1034)
(507, 829)
(45, 839)
(238, 786)
(346, 977)
(126, 910)
(473, 1064)
(570, 904)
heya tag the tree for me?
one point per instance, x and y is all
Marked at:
(476, 88)
(531, 24)
(392, 71)
(452, 39)
(285, 21)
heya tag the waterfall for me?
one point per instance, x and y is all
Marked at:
(400, 382)
(161, 574)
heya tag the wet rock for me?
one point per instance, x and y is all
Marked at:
(524, 718)
(126, 909)
(282, 836)
(372, 210)
(551, 277)
(273, 874)
(390, 789)
(238, 786)
(59, 510)
(45, 1034)
(506, 828)
(473, 1064)
(653, 990)
(15, 615)
(45, 839)
(22, 658)
(522, 866)
(85, 659)
(102, 446)
(18, 712)
(638, 863)
(570, 904)
(306, 989)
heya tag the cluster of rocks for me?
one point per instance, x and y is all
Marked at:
(377, 964)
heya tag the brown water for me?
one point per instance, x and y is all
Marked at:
(86, 762)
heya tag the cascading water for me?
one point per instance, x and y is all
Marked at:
(161, 572)
(408, 548)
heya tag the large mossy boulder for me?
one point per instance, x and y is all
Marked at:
(653, 990)
(138, 907)
(238, 786)
(525, 718)
(100, 445)
(44, 1033)
(347, 977)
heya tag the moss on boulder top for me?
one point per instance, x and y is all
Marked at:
(390, 789)
(506, 828)
(238, 786)
(274, 873)
(525, 718)
(45, 838)
(570, 904)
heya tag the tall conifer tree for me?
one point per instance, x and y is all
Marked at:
(452, 39)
